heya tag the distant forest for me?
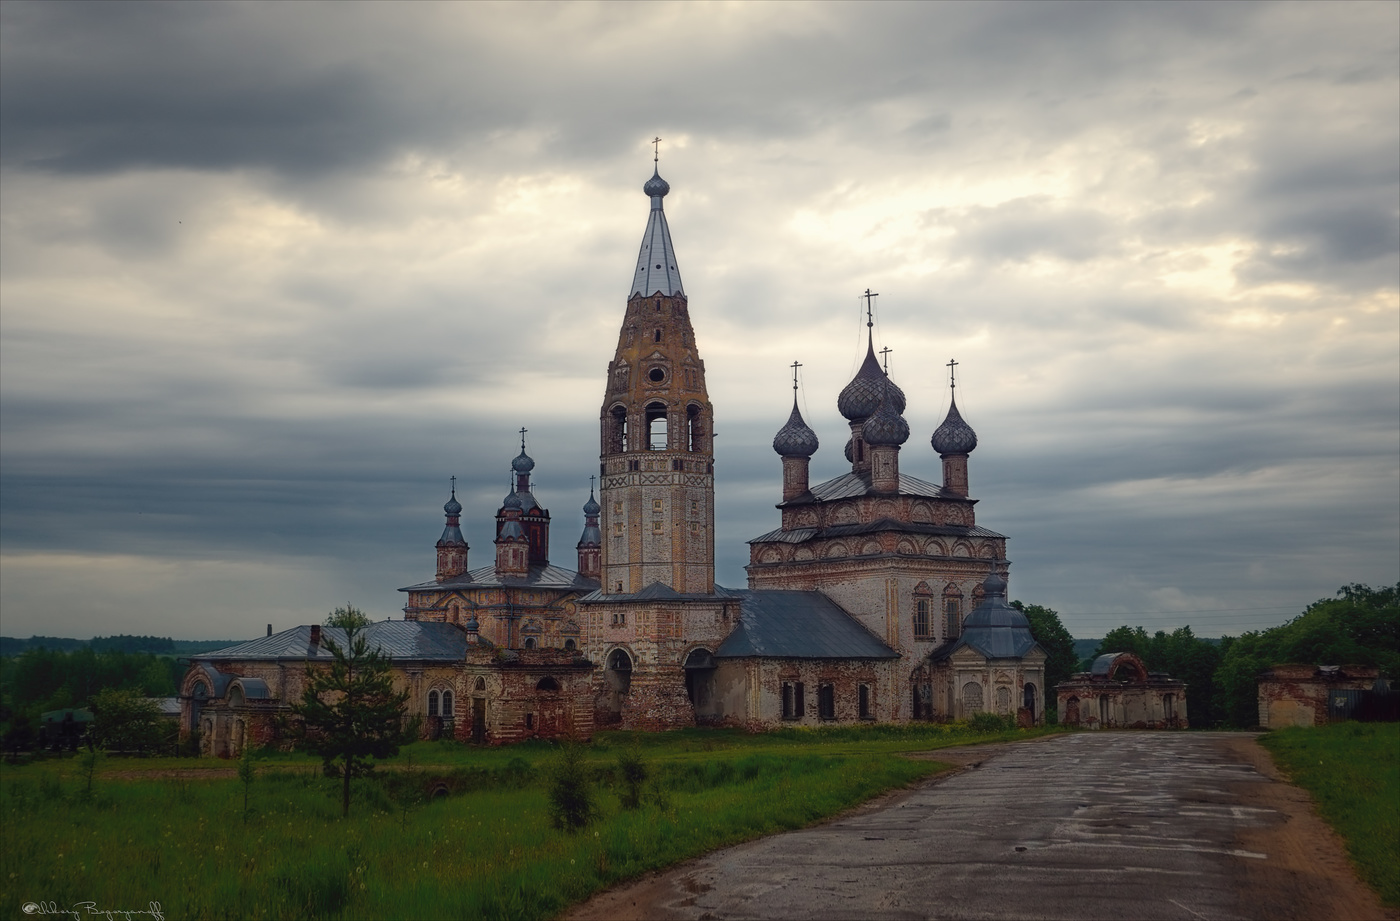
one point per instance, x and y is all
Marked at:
(156, 645)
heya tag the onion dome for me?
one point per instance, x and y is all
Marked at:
(656, 186)
(512, 501)
(863, 394)
(851, 449)
(886, 426)
(524, 463)
(954, 436)
(591, 507)
(994, 586)
(472, 625)
(453, 507)
(796, 438)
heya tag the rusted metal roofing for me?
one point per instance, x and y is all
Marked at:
(540, 575)
(798, 625)
(397, 639)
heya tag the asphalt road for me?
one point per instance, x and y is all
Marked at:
(1111, 825)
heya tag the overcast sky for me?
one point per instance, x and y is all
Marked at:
(270, 274)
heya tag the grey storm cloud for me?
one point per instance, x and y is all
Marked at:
(273, 272)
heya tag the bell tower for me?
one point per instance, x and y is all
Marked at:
(657, 489)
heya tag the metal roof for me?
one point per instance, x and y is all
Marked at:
(801, 535)
(656, 263)
(540, 575)
(994, 629)
(397, 639)
(851, 485)
(656, 591)
(798, 625)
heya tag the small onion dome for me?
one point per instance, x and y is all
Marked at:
(453, 507)
(994, 586)
(656, 187)
(851, 449)
(796, 438)
(524, 463)
(512, 501)
(591, 507)
(472, 626)
(511, 530)
(863, 394)
(954, 436)
(886, 427)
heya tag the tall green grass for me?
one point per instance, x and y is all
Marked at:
(485, 850)
(1352, 771)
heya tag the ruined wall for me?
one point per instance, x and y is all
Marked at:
(1296, 695)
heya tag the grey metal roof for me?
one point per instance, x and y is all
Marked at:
(540, 575)
(994, 629)
(398, 639)
(798, 625)
(802, 535)
(656, 591)
(656, 263)
(1103, 663)
(850, 485)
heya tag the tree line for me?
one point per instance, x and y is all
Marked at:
(1360, 626)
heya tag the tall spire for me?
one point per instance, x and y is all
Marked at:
(656, 263)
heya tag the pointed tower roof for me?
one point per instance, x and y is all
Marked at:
(862, 396)
(592, 536)
(452, 533)
(796, 438)
(656, 263)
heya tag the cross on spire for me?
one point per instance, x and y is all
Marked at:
(656, 153)
(523, 430)
(885, 353)
(952, 375)
(454, 486)
(869, 307)
(590, 484)
(795, 366)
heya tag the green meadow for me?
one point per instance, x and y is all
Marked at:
(443, 830)
(1352, 771)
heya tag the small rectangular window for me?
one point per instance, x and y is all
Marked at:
(789, 701)
(865, 702)
(921, 619)
(657, 506)
(826, 701)
(800, 703)
(657, 527)
(953, 610)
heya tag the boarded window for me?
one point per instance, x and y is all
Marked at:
(972, 697)
(1003, 701)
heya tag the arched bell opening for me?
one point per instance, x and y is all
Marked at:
(656, 427)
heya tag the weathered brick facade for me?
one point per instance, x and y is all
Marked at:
(1120, 693)
(1297, 695)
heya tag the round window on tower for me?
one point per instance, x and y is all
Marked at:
(656, 375)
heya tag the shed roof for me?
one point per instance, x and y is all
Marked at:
(798, 625)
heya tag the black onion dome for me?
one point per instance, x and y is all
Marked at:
(954, 436)
(863, 394)
(796, 438)
(851, 449)
(886, 427)
(524, 463)
(656, 186)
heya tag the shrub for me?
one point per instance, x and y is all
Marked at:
(990, 722)
(571, 792)
(634, 775)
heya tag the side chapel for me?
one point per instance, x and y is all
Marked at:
(878, 598)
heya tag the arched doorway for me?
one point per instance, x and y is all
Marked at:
(618, 676)
(1028, 700)
(700, 681)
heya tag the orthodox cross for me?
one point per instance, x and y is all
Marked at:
(869, 307)
(795, 366)
(590, 484)
(952, 375)
(523, 430)
(656, 154)
(885, 352)
(454, 486)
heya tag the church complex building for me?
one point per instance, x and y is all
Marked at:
(878, 598)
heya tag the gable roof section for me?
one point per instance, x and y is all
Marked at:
(798, 625)
(540, 575)
(397, 639)
(851, 485)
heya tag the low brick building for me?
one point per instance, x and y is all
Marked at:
(1118, 692)
(1309, 695)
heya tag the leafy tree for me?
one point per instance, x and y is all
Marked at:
(1180, 654)
(1060, 659)
(124, 721)
(349, 713)
(348, 616)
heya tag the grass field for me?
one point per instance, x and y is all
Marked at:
(487, 850)
(1352, 771)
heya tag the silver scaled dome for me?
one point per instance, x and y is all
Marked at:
(524, 463)
(453, 507)
(863, 394)
(796, 438)
(851, 449)
(512, 501)
(954, 436)
(591, 507)
(886, 426)
(656, 187)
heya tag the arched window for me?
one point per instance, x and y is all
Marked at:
(695, 429)
(921, 619)
(547, 684)
(447, 703)
(1003, 700)
(570, 645)
(481, 684)
(656, 427)
(972, 698)
(433, 703)
(199, 691)
(529, 642)
(952, 611)
(617, 430)
(619, 671)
